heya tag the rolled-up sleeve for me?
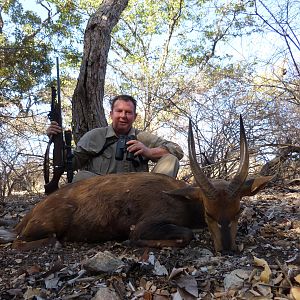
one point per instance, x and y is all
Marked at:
(152, 141)
(88, 146)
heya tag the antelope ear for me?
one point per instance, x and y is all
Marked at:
(254, 185)
(187, 192)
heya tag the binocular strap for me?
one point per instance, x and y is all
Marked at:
(110, 141)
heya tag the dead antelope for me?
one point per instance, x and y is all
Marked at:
(146, 208)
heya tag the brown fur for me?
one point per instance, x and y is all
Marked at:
(149, 209)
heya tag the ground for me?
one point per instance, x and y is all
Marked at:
(267, 265)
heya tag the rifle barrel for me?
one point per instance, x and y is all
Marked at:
(58, 89)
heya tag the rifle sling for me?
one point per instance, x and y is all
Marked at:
(47, 162)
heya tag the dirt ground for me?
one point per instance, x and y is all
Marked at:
(267, 265)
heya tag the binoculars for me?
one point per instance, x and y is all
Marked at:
(121, 149)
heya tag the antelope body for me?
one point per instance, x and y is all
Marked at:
(148, 209)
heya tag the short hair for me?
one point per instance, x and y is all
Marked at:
(126, 98)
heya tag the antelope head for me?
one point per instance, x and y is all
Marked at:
(220, 198)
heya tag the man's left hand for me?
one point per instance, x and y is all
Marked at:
(138, 148)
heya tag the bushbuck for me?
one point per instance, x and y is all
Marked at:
(148, 209)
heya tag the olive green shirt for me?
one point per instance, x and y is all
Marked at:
(86, 154)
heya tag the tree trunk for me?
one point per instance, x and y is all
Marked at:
(87, 101)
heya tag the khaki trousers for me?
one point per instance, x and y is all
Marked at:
(168, 165)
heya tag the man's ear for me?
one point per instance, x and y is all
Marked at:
(136, 114)
(254, 185)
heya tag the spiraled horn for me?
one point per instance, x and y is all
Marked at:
(203, 182)
(242, 173)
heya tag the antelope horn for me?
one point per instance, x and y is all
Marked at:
(242, 173)
(203, 182)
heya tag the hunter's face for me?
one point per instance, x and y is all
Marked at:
(123, 115)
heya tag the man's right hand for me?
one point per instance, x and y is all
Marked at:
(54, 128)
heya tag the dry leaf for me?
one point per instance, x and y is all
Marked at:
(295, 292)
(264, 290)
(255, 293)
(145, 256)
(297, 278)
(103, 262)
(266, 273)
(159, 269)
(51, 282)
(160, 297)
(147, 296)
(186, 295)
(235, 279)
(278, 279)
(162, 293)
(105, 293)
(225, 295)
(148, 285)
(175, 272)
(32, 293)
(33, 269)
(187, 283)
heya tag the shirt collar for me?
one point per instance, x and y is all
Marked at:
(110, 132)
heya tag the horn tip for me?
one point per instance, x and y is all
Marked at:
(242, 123)
(190, 124)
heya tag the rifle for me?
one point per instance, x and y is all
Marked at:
(62, 151)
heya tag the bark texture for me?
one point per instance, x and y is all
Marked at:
(87, 101)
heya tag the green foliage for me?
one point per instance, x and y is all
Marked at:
(159, 48)
(89, 6)
(174, 56)
(28, 42)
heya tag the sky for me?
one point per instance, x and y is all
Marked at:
(245, 47)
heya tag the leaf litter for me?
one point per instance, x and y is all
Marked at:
(267, 265)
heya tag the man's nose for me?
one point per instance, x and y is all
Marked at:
(123, 114)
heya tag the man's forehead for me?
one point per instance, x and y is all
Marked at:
(122, 103)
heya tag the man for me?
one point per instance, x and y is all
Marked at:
(95, 153)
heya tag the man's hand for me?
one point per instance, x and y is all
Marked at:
(54, 128)
(138, 148)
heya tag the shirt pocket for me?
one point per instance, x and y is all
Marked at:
(103, 163)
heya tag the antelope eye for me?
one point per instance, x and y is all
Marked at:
(223, 224)
(234, 219)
